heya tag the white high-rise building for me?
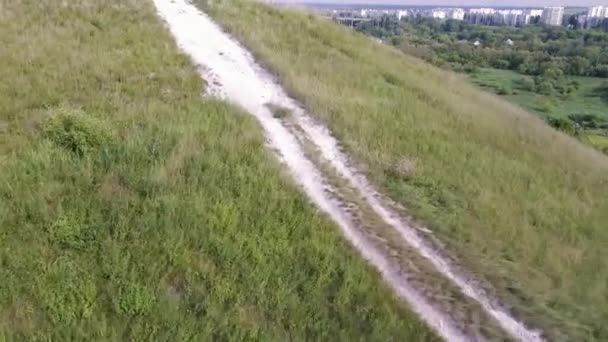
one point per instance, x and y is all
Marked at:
(457, 13)
(536, 12)
(597, 12)
(439, 14)
(553, 16)
(482, 11)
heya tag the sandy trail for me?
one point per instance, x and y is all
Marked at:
(233, 74)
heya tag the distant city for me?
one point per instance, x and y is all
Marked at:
(496, 16)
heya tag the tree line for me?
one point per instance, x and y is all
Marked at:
(533, 50)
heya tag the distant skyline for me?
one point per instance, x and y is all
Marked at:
(483, 3)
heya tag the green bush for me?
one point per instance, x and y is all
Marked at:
(470, 68)
(575, 84)
(562, 124)
(67, 292)
(588, 121)
(75, 131)
(501, 64)
(527, 84)
(395, 40)
(545, 87)
(67, 232)
(135, 299)
(504, 90)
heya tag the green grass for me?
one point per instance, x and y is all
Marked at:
(133, 209)
(519, 204)
(581, 101)
(598, 140)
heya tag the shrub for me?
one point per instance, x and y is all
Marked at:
(527, 84)
(75, 131)
(545, 87)
(562, 124)
(501, 64)
(575, 84)
(589, 121)
(470, 68)
(395, 40)
(69, 292)
(503, 90)
(66, 232)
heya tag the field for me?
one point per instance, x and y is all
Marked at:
(520, 205)
(581, 101)
(132, 208)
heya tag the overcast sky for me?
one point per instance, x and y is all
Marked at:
(490, 3)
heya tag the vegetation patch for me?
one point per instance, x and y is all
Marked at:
(67, 232)
(67, 291)
(76, 131)
(134, 299)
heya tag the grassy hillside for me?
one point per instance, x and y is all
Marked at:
(133, 209)
(519, 204)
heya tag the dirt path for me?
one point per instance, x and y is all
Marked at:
(232, 73)
(331, 152)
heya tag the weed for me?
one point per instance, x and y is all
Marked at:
(135, 299)
(75, 131)
(66, 232)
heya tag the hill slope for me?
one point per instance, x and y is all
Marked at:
(131, 208)
(518, 204)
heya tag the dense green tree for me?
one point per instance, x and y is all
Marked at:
(531, 50)
(579, 66)
(545, 87)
